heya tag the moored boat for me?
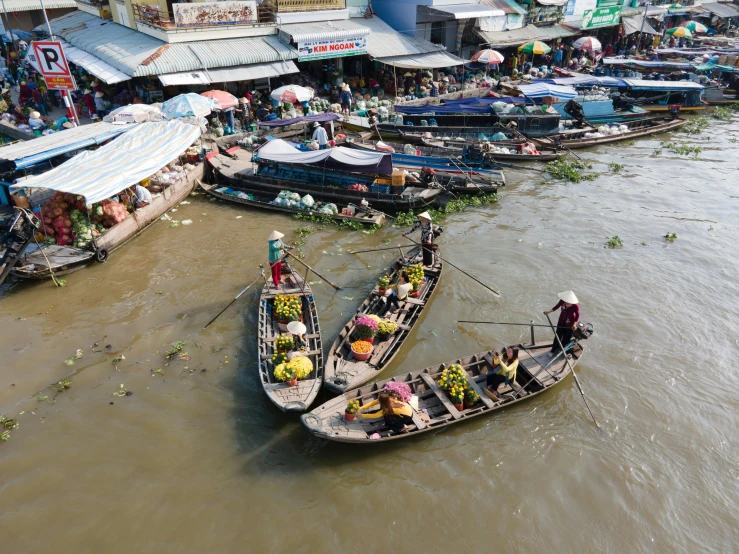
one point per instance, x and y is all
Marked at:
(296, 398)
(433, 410)
(343, 370)
(484, 152)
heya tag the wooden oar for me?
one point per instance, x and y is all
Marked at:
(376, 249)
(506, 323)
(235, 299)
(495, 292)
(337, 287)
(572, 369)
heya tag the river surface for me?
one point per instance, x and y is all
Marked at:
(198, 460)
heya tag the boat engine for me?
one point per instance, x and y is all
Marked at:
(583, 331)
(621, 102)
(674, 110)
(574, 108)
(428, 175)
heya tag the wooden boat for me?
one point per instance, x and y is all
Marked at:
(489, 177)
(34, 263)
(475, 152)
(289, 399)
(238, 171)
(262, 201)
(343, 372)
(536, 374)
(652, 126)
(436, 137)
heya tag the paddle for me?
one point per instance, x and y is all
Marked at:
(506, 323)
(377, 249)
(235, 299)
(337, 287)
(495, 292)
(572, 369)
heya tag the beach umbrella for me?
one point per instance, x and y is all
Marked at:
(187, 105)
(587, 43)
(134, 113)
(292, 94)
(223, 99)
(679, 32)
(489, 57)
(694, 26)
(534, 47)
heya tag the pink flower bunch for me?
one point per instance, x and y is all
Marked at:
(401, 391)
(367, 322)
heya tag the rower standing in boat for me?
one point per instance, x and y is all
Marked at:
(276, 253)
(429, 232)
(568, 318)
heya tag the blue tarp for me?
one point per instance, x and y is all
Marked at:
(445, 109)
(320, 118)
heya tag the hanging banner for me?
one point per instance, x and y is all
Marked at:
(48, 58)
(333, 48)
(214, 13)
(601, 17)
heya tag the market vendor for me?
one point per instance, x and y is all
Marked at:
(262, 112)
(100, 104)
(140, 196)
(300, 343)
(35, 121)
(345, 98)
(429, 232)
(320, 135)
(244, 111)
(409, 83)
(276, 252)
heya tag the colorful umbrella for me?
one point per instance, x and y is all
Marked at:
(534, 47)
(679, 32)
(490, 57)
(694, 26)
(292, 94)
(223, 99)
(587, 43)
(187, 105)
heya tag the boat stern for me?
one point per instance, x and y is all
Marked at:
(336, 385)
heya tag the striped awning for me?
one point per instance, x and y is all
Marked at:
(542, 90)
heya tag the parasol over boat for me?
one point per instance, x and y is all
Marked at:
(223, 99)
(292, 94)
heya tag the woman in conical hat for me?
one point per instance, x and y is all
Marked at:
(569, 315)
(276, 253)
(300, 343)
(429, 232)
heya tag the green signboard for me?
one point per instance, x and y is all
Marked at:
(601, 17)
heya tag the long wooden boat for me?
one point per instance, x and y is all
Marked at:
(289, 399)
(652, 126)
(471, 136)
(536, 374)
(343, 372)
(262, 201)
(530, 124)
(475, 152)
(35, 262)
(238, 171)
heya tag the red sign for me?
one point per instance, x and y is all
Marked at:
(51, 63)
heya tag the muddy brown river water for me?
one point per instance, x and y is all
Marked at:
(198, 460)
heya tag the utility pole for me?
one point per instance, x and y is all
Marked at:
(643, 20)
(10, 33)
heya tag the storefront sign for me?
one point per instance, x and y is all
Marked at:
(48, 58)
(214, 13)
(321, 49)
(601, 17)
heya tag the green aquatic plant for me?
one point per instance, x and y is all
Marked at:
(722, 114)
(614, 242)
(175, 349)
(682, 149)
(615, 167)
(695, 126)
(670, 237)
(570, 170)
(62, 385)
(459, 204)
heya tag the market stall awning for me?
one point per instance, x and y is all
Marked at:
(320, 118)
(542, 90)
(185, 78)
(676, 86)
(29, 153)
(637, 24)
(252, 72)
(324, 30)
(466, 11)
(510, 7)
(29, 5)
(656, 12)
(721, 10)
(516, 37)
(551, 2)
(583, 81)
(430, 60)
(92, 64)
(340, 158)
(628, 62)
(125, 161)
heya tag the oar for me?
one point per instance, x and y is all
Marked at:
(507, 323)
(572, 369)
(495, 292)
(337, 287)
(235, 299)
(376, 249)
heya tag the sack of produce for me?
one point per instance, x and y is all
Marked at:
(382, 147)
(308, 201)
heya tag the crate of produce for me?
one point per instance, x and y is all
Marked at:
(384, 189)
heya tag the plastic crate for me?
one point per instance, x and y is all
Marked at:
(384, 189)
(383, 181)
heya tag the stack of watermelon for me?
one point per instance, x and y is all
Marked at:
(55, 214)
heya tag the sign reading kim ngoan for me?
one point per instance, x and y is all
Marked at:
(333, 48)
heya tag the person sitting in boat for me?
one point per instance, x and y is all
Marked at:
(262, 112)
(569, 315)
(399, 292)
(504, 372)
(300, 343)
(276, 252)
(320, 135)
(140, 196)
(395, 413)
(429, 232)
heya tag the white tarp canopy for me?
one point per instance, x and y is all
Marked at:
(430, 60)
(134, 113)
(230, 74)
(637, 24)
(542, 90)
(349, 159)
(130, 158)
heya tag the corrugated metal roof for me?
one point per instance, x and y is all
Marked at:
(139, 55)
(510, 7)
(467, 11)
(721, 10)
(62, 139)
(29, 5)
(523, 35)
(324, 30)
(385, 42)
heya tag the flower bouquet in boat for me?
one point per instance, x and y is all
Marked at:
(351, 410)
(415, 277)
(453, 382)
(366, 328)
(382, 284)
(385, 329)
(362, 350)
(283, 343)
(288, 307)
(471, 398)
(294, 370)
